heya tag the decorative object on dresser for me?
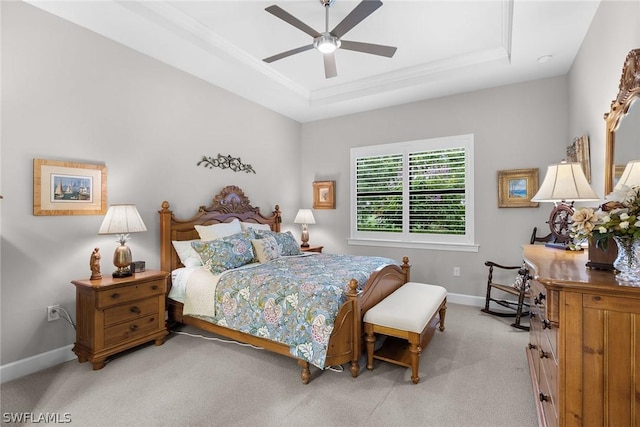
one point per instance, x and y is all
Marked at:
(519, 288)
(584, 341)
(67, 188)
(94, 264)
(121, 220)
(327, 335)
(324, 195)
(516, 187)
(304, 217)
(563, 185)
(116, 314)
(317, 249)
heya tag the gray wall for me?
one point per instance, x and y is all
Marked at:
(69, 94)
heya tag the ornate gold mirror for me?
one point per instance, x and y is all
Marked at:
(623, 123)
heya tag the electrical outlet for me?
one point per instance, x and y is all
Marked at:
(53, 313)
(456, 271)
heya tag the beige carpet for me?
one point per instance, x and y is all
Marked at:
(473, 374)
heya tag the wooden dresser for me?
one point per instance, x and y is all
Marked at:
(584, 350)
(117, 314)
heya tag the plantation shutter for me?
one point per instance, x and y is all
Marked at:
(379, 181)
(437, 192)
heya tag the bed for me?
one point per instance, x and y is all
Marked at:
(344, 339)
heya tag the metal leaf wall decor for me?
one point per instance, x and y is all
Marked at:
(225, 162)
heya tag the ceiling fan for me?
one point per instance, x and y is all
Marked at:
(328, 42)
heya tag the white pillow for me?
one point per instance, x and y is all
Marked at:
(265, 249)
(247, 225)
(218, 231)
(188, 256)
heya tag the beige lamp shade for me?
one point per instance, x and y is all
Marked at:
(631, 175)
(565, 182)
(304, 216)
(122, 219)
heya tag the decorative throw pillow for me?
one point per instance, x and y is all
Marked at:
(287, 243)
(266, 249)
(217, 231)
(188, 256)
(226, 253)
(252, 225)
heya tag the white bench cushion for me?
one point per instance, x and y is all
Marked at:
(408, 308)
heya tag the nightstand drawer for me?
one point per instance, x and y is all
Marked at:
(130, 293)
(130, 311)
(130, 330)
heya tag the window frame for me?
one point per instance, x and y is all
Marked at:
(405, 239)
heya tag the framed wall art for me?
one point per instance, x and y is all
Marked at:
(324, 195)
(579, 152)
(66, 188)
(516, 187)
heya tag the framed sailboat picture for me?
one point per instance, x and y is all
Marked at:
(516, 187)
(67, 188)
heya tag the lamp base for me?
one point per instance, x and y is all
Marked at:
(559, 245)
(304, 245)
(122, 273)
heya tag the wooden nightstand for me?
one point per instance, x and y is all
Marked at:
(117, 314)
(312, 249)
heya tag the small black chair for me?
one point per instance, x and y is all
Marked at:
(519, 289)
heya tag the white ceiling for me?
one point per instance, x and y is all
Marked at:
(444, 47)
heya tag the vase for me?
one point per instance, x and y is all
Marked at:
(627, 263)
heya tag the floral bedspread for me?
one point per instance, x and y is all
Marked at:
(292, 300)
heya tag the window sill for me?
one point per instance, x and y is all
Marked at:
(456, 247)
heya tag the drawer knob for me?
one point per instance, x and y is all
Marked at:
(532, 346)
(154, 287)
(541, 296)
(135, 310)
(532, 315)
(115, 296)
(546, 324)
(133, 328)
(543, 354)
(543, 398)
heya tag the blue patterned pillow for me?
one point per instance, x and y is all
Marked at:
(225, 253)
(287, 243)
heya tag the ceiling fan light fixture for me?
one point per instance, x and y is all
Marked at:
(326, 43)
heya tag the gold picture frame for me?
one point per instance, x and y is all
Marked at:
(324, 195)
(67, 188)
(516, 187)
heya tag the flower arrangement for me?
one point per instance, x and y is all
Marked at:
(619, 216)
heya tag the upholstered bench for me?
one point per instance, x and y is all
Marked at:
(409, 314)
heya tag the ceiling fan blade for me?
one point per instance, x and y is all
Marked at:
(375, 49)
(330, 65)
(289, 18)
(361, 11)
(287, 53)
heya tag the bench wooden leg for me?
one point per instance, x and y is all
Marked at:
(442, 312)
(370, 339)
(415, 351)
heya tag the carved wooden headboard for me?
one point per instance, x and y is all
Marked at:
(227, 205)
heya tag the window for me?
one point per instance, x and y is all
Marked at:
(415, 194)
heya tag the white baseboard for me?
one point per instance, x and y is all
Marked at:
(465, 300)
(36, 363)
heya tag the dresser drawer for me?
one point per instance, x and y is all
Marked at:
(125, 294)
(130, 330)
(130, 311)
(548, 400)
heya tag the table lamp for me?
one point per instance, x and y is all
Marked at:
(564, 184)
(631, 175)
(304, 217)
(122, 219)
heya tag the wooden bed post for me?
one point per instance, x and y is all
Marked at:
(352, 297)
(278, 215)
(165, 236)
(406, 267)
